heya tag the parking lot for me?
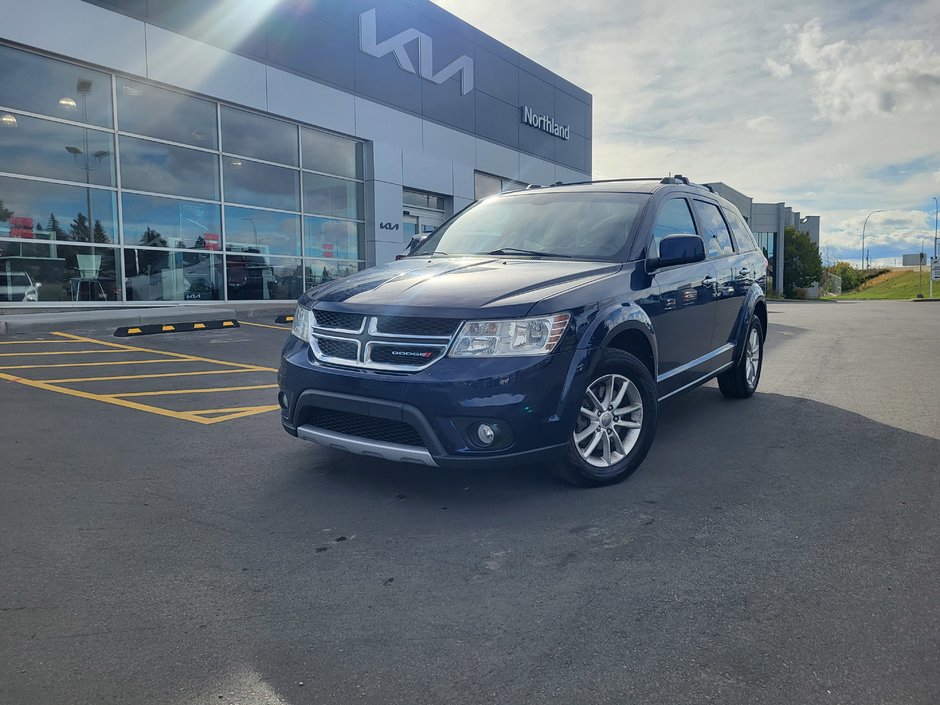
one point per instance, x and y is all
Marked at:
(162, 540)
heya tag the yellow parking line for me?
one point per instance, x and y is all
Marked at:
(26, 342)
(155, 376)
(90, 364)
(59, 352)
(230, 409)
(264, 325)
(245, 411)
(205, 390)
(186, 416)
(163, 352)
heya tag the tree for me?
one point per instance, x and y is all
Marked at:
(152, 238)
(5, 213)
(53, 227)
(850, 276)
(79, 230)
(100, 235)
(802, 264)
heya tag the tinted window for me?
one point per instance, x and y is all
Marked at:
(674, 218)
(167, 222)
(325, 195)
(257, 136)
(743, 240)
(65, 271)
(48, 87)
(327, 238)
(36, 147)
(163, 168)
(717, 237)
(331, 154)
(157, 112)
(161, 275)
(36, 210)
(580, 225)
(267, 232)
(260, 184)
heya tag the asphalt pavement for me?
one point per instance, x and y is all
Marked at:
(782, 549)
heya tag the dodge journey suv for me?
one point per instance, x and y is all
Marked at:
(542, 325)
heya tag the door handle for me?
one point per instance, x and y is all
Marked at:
(745, 272)
(709, 281)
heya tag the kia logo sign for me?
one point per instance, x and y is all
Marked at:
(369, 44)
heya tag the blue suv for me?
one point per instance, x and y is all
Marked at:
(542, 325)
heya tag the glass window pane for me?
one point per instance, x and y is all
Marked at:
(257, 277)
(49, 87)
(167, 222)
(36, 147)
(716, 235)
(325, 195)
(337, 239)
(266, 232)
(674, 218)
(155, 275)
(35, 210)
(485, 185)
(157, 112)
(252, 135)
(163, 168)
(743, 239)
(321, 271)
(44, 271)
(261, 184)
(331, 154)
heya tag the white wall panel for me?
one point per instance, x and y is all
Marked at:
(425, 173)
(496, 160)
(184, 62)
(79, 30)
(445, 143)
(376, 122)
(310, 102)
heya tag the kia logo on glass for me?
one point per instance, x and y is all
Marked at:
(369, 43)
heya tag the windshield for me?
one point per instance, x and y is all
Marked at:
(579, 225)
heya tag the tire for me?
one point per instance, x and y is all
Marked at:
(740, 382)
(605, 448)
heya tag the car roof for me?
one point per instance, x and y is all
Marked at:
(650, 185)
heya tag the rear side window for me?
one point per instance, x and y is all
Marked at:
(743, 239)
(674, 218)
(717, 237)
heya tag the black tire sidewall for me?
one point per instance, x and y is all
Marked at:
(617, 362)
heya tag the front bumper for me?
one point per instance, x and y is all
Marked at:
(428, 417)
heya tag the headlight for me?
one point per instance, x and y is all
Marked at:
(302, 320)
(525, 336)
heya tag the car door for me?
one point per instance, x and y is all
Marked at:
(684, 318)
(732, 271)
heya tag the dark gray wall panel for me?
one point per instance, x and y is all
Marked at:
(497, 121)
(536, 142)
(319, 39)
(496, 77)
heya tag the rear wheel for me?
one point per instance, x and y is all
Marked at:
(615, 425)
(741, 381)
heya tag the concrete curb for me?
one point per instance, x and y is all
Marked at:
(40, 322)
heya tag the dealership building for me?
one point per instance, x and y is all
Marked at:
(247, 149)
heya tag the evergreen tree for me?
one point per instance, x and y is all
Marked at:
(53, 227)
(152, 238)
(79, 230)
(100, 235)
(802, 264)
(5, 213)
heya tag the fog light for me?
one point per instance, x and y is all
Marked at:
(486, 434)
(282, 400)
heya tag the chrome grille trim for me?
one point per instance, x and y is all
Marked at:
(368, 337)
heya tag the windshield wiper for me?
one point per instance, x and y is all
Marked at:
(517, 251)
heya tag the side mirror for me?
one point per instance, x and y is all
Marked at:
(678, 249)
(37, 284)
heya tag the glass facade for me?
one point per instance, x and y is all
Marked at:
(767, 243)
(156, 195)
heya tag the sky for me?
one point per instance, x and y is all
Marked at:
(829, 105)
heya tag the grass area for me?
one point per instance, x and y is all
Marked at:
(895, 284)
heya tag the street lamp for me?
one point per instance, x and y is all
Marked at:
(881, 210)
(936, 211)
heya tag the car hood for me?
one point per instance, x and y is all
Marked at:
(457, 286)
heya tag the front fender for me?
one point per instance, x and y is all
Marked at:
(618, 318)
(753, 299)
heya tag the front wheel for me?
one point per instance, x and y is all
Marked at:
(615, 425)
(740, 381)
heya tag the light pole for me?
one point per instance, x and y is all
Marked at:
(936, 211)
(881, 210)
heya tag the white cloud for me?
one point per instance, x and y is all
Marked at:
(829, 106)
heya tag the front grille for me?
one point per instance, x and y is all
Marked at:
(426, 327)
(343, 349)
(403, 355)
(338, 321)
(369, 427)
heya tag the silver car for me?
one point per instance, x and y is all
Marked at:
(17, 286)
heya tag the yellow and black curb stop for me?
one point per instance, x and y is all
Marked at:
(151, 329)
(288, 318)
